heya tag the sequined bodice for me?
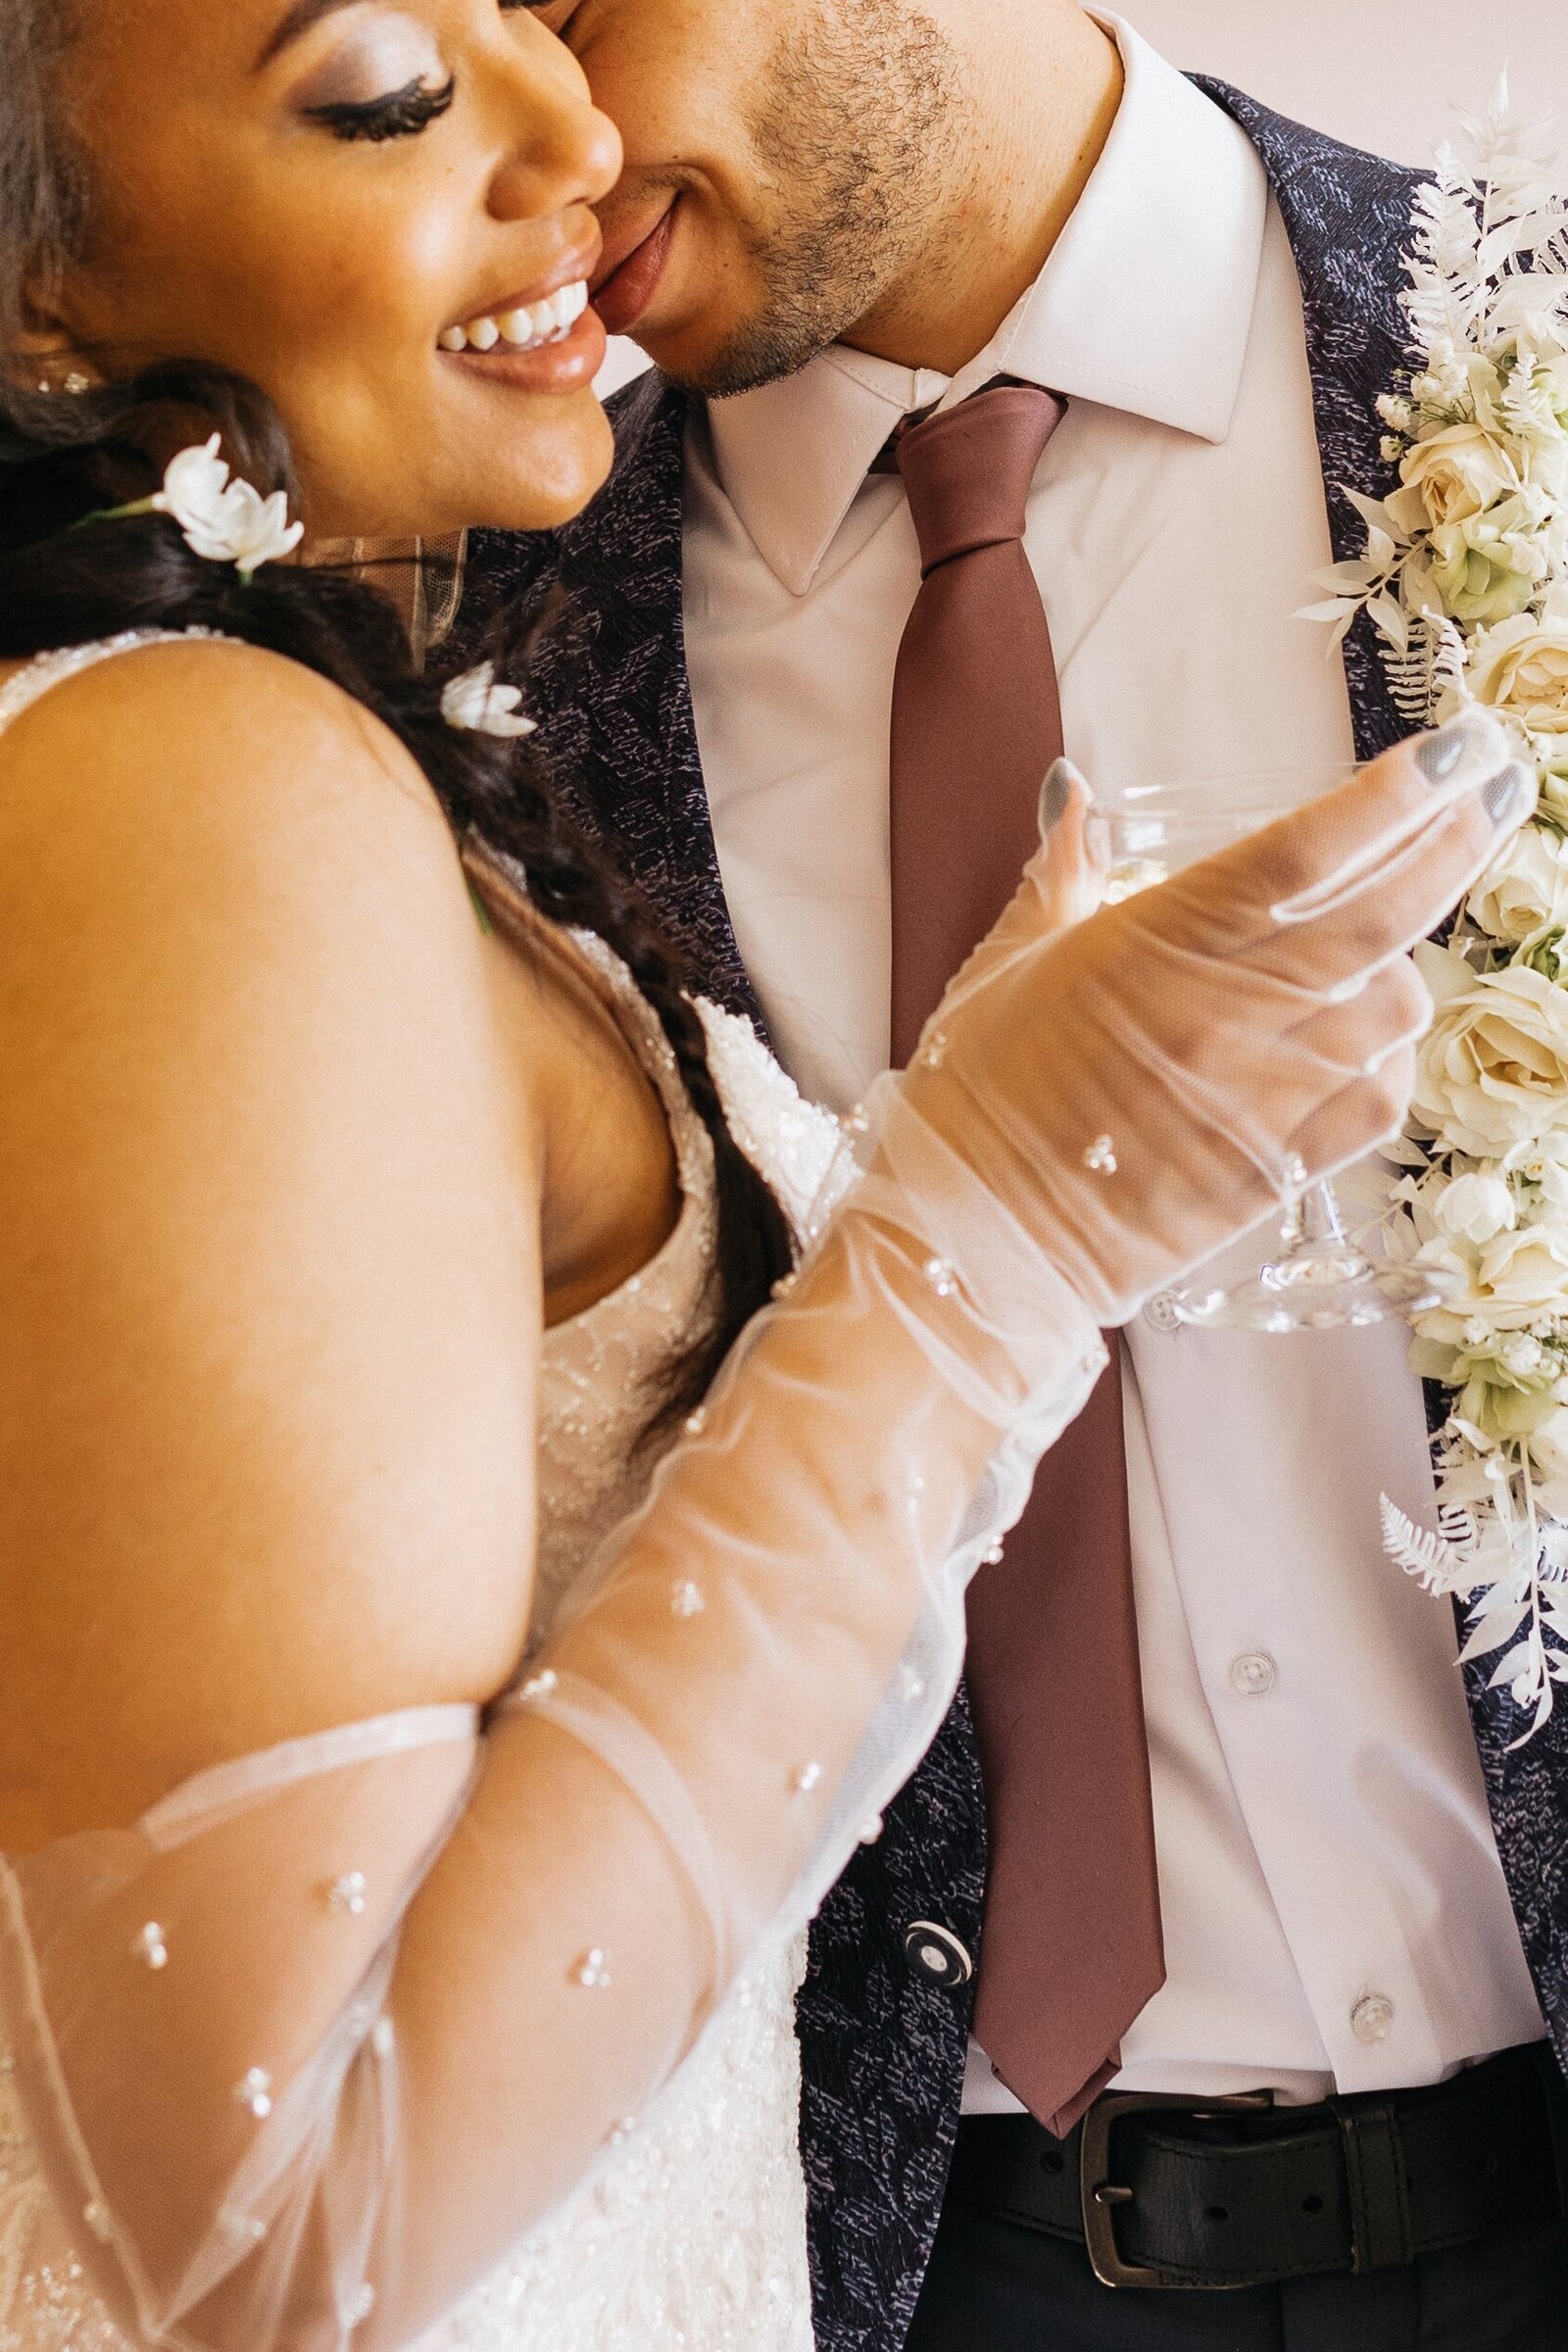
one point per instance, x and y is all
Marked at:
(693, 2242)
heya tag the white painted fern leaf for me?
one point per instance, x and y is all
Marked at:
(1438, 1563)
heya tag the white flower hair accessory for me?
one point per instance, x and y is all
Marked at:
(476, 706)
(225, 522)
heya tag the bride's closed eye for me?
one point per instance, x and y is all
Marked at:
(390, 82)
(400, 115)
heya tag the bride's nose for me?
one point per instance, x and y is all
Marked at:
(561, 149)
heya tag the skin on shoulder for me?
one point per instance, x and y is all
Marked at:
(270, 1274)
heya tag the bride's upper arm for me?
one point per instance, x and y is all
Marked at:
(270, 1288)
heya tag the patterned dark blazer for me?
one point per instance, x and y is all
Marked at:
(884, 2046)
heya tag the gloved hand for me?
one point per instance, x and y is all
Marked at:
(1143, 1084)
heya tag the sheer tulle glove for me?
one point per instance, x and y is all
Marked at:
(1138, 1087)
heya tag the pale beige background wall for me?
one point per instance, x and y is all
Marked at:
(1379, 72)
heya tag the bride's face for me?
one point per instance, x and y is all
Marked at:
(318, 196)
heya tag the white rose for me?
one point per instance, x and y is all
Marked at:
(1457, 473)
(1525, 889)
(1493, 1070)
(1488, 568)
(1520, 667)
(1511, 1283)
(1478, 1207)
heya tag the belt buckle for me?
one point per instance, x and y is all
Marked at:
(1101, 2196)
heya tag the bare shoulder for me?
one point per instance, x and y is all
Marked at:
(268, 1232)
(205, 728)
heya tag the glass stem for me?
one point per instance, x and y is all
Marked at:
(1312, 1220)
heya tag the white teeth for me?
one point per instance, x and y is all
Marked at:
(527, 328)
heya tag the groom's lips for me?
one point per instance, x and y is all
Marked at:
(622, 297)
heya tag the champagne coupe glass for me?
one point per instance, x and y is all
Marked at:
(1321, 1277)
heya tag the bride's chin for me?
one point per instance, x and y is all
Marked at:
(548, 475)
(534, 478)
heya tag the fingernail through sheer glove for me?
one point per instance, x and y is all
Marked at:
(310, 2047)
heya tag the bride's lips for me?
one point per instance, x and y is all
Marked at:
(567, 365)
(546, 339)
(623, 296)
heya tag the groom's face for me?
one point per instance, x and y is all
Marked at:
(788, 164)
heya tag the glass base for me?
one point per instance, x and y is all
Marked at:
(1317, 1285)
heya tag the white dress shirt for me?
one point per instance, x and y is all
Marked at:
(1333, 1909)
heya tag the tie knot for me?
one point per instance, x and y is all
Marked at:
(967, 471)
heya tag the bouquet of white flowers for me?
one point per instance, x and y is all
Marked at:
(1465, 577)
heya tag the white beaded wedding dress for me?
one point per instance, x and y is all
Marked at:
(693, 2238)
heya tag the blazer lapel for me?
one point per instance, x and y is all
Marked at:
(610, 686)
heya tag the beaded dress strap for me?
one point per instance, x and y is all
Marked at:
(30, 685)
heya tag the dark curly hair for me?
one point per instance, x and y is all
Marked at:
(66, 580)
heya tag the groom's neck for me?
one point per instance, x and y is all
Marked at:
(1048, 85)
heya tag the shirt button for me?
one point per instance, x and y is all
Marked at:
(1372, 2017)
(1253, 1674)
(935, 1952)
(1163, 1312)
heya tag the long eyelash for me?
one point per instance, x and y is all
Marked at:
(402, 116)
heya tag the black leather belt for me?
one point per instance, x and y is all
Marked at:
(1236, 2192)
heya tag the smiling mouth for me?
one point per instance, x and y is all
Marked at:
(531, 326)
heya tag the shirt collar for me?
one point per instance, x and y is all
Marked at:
(1145, 305)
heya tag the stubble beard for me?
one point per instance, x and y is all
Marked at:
(861, 133)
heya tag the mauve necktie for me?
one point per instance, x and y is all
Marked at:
(1072, 1951)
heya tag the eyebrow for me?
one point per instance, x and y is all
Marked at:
(301, 17)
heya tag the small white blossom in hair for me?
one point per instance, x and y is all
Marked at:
(226, 521)
(476, 706)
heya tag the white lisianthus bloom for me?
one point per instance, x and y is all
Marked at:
(476, 706)
(1488, 567)
(1455, 474)
(1493, 1070)
(1520, 669)
(1476, 1207)
(1525, 889)
(226, 521)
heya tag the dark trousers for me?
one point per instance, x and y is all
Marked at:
(994, 2286)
